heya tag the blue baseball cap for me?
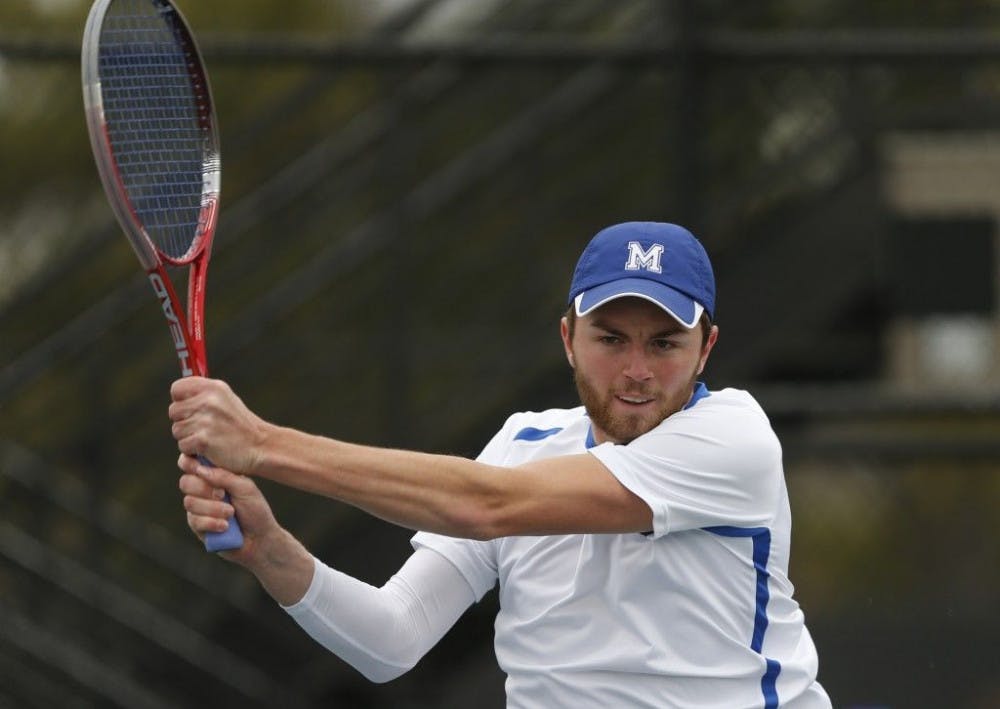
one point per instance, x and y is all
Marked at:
(663, 263)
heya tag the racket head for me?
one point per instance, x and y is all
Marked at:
(152, 128)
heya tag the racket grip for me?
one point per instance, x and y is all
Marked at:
(232, 538)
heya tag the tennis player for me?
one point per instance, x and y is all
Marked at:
(640, 541)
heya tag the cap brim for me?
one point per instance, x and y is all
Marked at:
(679, 306)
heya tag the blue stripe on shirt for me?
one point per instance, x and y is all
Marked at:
(761, 537)
(530, 433)
(535, 434)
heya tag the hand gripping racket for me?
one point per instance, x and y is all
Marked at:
(153, 132)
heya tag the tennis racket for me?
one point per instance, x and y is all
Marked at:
(153, 132)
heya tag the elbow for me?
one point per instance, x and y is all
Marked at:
(485, 532)
(485, 510)
(474, 522)
(381, 674)
(394, 660)
(483, 519)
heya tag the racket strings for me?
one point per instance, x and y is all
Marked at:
(158, 115)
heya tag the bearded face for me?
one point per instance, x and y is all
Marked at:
(634, 365)
(626, 413)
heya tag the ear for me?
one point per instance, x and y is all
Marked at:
(567, 344)
(713, 335)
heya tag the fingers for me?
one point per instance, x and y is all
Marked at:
(188, 440)
(203, 501)
(210, 420)
(181, 411)
(206, 511)
(187, 387)
(195, 486)
(190, 394)
(211, 476)
(208, 507)
(207, 480)
(202, 525)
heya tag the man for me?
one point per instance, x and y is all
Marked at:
(640, 541)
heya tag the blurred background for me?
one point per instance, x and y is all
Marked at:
(406, 188)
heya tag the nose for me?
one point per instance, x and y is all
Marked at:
(636, 365)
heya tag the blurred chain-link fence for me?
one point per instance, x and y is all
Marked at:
(405, 194)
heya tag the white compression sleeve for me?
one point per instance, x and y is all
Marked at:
(383, 632)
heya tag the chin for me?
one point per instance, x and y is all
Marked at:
(626, 430)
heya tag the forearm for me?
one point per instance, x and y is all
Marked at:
(438, 493)
(283, 566)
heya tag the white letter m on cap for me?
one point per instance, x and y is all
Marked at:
(644, 259)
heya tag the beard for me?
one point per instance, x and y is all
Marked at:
(624, 428)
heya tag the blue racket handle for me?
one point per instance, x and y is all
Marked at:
(232, 538)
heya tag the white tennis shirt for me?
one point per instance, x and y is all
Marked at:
(697, 613)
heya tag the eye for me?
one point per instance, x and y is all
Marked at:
(609, 339)
(662, 343)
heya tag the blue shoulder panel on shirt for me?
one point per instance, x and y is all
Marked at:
(699, 393)
(535, 434)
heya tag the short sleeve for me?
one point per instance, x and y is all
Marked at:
(716, 464)
(474, 559)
